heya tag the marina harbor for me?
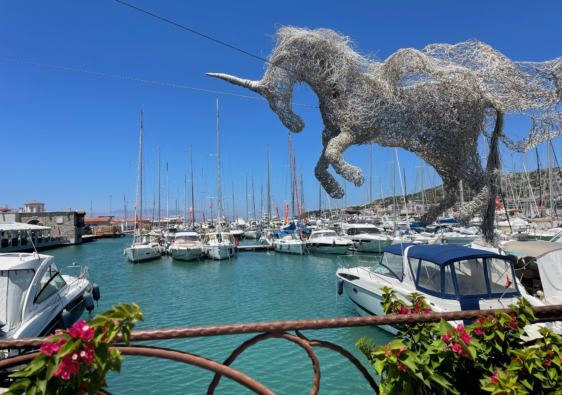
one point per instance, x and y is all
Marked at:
(333, 198)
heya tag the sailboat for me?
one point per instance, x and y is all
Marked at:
(143, 247)
(219, 245)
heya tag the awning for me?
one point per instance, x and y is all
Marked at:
(444, 254)
(532, 248)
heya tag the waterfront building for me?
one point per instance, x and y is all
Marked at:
(34, 207)
(24, 237)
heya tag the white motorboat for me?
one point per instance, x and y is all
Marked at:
(37, 299)
(186, 246)
(168, 237)
(451, 278)
(145, 249)
(236, 231)
(266, 238)
(220, 246)
(288, 242)
(367, 238)
(328, 242)
(252, 233)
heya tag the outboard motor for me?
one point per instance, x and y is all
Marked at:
(88, 301)
(340, 286)
(66, 319)
(96, 292)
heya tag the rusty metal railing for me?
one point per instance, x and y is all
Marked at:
(266, 330)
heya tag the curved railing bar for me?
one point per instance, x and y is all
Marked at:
(345, 353)
(164, 353)
(248, 343)
(543, 313)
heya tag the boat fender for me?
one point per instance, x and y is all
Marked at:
(333, 243)
(88, 301)
(96, 292)
(360, 242)
(66, 319)
(340, 286)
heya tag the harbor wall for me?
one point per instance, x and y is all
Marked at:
(62, 223)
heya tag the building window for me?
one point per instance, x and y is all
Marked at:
(60, 220)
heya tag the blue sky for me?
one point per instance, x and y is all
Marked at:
(68, 139)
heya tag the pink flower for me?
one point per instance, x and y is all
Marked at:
(68, 366)
(403, 310)
(81, 330)
(49, 348)
(409, 312)
(513, 324)
(460, 328)
(427, 311)
(446, 339)
(547, 362)
(494, 378)
(551, 353)
(87, 355)
(465, 338)
(457, 348)
(478, 331)
(481, 320)
(402, 367)
(417, 309)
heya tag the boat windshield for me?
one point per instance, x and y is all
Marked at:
(390, 265)
(323, 234)
(187, 238)
(362, 231)
(13, 286)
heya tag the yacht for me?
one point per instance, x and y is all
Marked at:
(186, 246)
(236, 231)
(367, 238)
(266, 238)
(220, 246)
(37, 298)
(451, 278)
(328, 242)
(252, 233)
(144, 248)
(287, 242)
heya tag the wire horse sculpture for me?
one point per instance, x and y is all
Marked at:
(435, 103)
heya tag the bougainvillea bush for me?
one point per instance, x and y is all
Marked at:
(75, 361)
(488, 356)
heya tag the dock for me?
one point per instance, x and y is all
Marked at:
(254, 248)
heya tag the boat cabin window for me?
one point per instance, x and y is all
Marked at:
(187, 238)
(449, 285)
(429, 276)
(499, 275)
(13, 285)
(51, 282)
(390, 265)
(323, 234)
(470, 277)
(362, 231)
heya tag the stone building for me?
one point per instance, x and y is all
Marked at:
(67, 224)
(34, 207)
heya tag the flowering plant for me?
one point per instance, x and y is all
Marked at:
(427, 358)
(75, 361)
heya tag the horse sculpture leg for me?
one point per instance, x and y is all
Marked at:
(333, 153)
(329, 183)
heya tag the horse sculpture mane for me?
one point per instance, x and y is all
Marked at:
(435, 102)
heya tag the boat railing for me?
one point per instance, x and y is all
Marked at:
(264, 331)
(344, 264)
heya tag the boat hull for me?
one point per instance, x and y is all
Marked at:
(370, 245)
(252, 234)
(324, 248)
(186, 254)
(221, 252)
(289, 248)
(142, 254)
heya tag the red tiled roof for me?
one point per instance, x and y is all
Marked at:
(95, 220)
(80, 212)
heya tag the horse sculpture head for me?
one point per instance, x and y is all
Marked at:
(279, 98)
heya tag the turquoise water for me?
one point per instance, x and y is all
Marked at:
(255, 287)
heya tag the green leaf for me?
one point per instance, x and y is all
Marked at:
(51, 368)
(31, 389)
(379, 365)
(445, 327)
(127, 308)
(20, 384)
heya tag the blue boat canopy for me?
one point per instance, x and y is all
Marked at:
(398, 249)
(444, 254)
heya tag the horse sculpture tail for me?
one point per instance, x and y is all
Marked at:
(493, 172)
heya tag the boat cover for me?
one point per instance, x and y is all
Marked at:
(444, 254)
(398, 248)
(550, 269)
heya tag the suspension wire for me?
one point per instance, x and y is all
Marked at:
(141, 80)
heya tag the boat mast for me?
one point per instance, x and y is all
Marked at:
(233, 207)
(268, 189)
(302, 193)
(184, 193)
(540, 181)
(253, 197)
(192, 208)
(394, 188)
(247, 219)
(291, 180)
(548, 147)
(167, 199)
(159, 189)
(371, 177)
(218, 169)
(140, 174)
(422, 190)
(202, 197)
